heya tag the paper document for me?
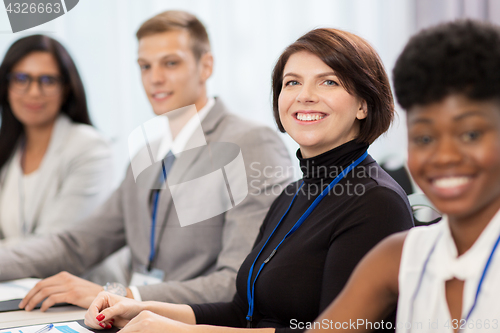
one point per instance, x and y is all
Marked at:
(16, 288)
(70, 327)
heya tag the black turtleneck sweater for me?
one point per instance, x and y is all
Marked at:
(312, 265)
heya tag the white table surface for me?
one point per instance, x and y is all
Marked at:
(53, 315)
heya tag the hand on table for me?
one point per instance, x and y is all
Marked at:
(61, 288)
(149, 322)
(108, 309)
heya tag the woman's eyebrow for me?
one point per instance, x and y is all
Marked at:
(318, 75)
(291, 74)
(326, 74)
(420, 120)
(468, 114)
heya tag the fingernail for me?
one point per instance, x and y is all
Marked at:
(102, 325)
(100, 317)
(108, 326)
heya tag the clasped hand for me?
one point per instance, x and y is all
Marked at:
(108, 310)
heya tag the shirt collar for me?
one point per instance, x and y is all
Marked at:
(470, 264)
(178, 145)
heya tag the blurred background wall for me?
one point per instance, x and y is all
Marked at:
(247, 37)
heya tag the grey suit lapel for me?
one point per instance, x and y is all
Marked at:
(180, 170)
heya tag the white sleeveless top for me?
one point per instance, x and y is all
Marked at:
(427, 309)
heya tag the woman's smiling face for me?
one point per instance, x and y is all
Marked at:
(314, 108)
(454, 154)
(34, 107)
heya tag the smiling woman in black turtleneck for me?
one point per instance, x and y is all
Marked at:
(332, 96)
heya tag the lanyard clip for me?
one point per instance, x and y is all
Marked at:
(249, 321)
(270, 256)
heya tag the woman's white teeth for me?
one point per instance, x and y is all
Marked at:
(309, 117)
(450, 182)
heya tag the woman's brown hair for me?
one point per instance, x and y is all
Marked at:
(359, 69)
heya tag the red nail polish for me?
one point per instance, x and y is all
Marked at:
(102, 325)
(100, 317)
(108, 326)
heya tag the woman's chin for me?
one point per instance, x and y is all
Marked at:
(37, 123)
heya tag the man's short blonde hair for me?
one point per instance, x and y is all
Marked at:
(178, 20)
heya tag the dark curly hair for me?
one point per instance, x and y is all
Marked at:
(461, 57)
(359, 69)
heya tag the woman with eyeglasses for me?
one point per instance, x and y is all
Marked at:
(55, 168)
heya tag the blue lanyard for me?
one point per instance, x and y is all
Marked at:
(250, 284)
(478, 290)
(152, 249)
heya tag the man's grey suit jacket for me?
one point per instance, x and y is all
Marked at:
(200, 261)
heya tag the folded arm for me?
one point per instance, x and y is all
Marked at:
(371, 293)
(109, 310)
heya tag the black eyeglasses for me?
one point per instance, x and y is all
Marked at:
(49, 85)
